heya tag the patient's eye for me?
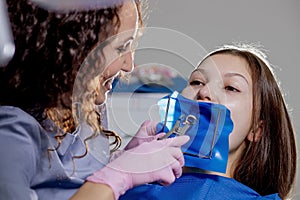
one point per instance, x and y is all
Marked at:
(196, 82)
(232, 89)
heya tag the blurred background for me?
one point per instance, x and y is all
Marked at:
(185, 31)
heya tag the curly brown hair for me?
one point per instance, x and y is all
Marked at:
(50, 48)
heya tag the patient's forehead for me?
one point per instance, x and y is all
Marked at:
(221, 64)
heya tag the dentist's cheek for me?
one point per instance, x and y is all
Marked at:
(128, 64)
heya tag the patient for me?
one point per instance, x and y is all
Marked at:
(261, 162)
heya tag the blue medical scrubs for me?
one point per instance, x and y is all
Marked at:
(195, 186)
(28, 170)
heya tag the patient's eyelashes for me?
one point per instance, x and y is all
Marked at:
(196, 82)
(232, 89)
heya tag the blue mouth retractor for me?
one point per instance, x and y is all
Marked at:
(209, 130)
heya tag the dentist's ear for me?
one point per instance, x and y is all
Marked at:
(256, 134)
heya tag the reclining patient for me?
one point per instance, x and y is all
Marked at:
(242, 143)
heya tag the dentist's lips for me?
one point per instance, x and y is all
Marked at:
(107, 81)
(108, 84)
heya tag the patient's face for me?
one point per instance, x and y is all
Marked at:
(225, 79)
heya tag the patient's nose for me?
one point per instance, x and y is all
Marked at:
(205, 93)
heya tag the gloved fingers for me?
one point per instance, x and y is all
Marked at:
(174, 170)
(154, 137)
(177, 154)
(150, 127)
(159, 135)
(176, 141)
(139, 139)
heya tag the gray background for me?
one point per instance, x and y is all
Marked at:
(274, 24)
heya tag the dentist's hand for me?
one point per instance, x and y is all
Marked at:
(146, 133)
(157, 160)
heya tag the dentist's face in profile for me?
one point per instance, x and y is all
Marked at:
(119, 52)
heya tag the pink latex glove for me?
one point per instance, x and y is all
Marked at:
(146, 133)
(158, 160)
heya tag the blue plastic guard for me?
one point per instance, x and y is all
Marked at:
(208, 146)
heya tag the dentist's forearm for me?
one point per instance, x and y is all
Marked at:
(93, 191)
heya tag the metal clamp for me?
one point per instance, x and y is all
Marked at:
(181, 130)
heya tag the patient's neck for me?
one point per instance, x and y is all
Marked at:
(231, 164)
(201, 171)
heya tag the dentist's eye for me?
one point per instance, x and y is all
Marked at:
(232, 89)
(124, 48)
(196, 82)
(121, 49)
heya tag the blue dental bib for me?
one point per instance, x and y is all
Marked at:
(209, 131)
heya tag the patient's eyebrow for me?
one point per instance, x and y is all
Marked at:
(202, 71)
(231, 74)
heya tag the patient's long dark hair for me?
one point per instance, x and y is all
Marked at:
(269, 164)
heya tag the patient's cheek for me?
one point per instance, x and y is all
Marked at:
(189, 93)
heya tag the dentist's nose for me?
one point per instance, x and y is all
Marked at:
(128, 63)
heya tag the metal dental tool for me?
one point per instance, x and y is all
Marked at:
(181, 130)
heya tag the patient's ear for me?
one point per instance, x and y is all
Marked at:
(256, 134)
